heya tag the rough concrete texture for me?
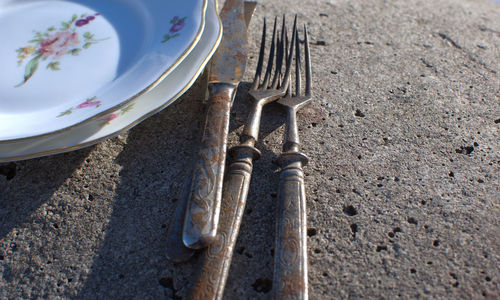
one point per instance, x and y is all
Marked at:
(403, 185)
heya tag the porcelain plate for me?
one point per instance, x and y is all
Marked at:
(67, 62)
(142, 107)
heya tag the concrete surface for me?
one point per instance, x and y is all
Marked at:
(403, 185)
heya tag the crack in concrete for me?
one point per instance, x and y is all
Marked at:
(450, 40)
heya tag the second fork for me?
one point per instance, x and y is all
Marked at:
(290, 259)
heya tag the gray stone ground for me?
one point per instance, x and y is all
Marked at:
(403, 185)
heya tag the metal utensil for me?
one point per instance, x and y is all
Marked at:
(290, 261)
(227, 68)
(216, 259)
(176, 250)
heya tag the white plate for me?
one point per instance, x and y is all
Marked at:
(125, 118)
(64, 62)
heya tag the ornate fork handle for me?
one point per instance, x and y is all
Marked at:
(290, 276)
(216, 259)
(290, 263)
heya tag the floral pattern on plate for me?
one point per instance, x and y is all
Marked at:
(54, 43)
(91, 102)
(105, 120)
(177, 25)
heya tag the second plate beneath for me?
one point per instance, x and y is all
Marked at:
(139, 109)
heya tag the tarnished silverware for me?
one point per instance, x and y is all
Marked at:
(226, 71)
(290, 261)
(216, 259)
(176, 250)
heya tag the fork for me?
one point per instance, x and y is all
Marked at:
(216, 260)
(290, 263)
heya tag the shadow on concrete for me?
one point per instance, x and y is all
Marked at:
(155, 163)
(28, 184)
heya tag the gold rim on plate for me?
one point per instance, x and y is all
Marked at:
(139, 120)
(130, 99)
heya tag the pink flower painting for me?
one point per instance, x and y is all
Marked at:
(105, 120)
(54, 43)
(91, 102)
(57, 44)
(110, 117)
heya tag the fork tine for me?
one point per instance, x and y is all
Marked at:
(289, 56)
(289, 91)
(284, 48)
(258, 71)
(298, 82)
(279, 56)
(308, 62)
(277, 68)
(286, 77)
(265, 82)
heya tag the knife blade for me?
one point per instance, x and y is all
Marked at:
(227, 69)
(176, 250)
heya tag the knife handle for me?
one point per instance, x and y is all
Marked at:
(211, 278)
(290, 261)
(202, 211)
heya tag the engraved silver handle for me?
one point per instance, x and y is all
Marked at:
(216, 260)
(290, 262)
(203, 207)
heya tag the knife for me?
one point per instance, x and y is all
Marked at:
(176, 250)
(227, 68)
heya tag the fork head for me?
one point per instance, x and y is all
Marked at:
(269, 87)
(300, 98)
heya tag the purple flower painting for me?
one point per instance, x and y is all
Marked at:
(177, 25)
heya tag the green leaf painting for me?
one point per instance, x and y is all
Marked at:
(30, 69)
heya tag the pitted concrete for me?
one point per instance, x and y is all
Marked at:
(403, 188)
